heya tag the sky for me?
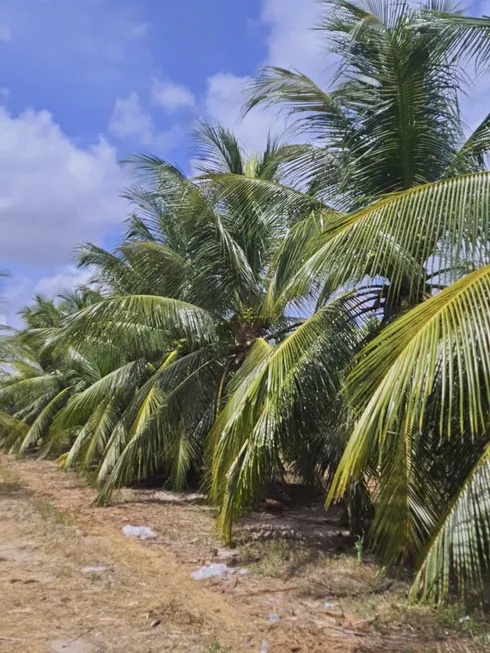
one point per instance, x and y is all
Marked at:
(85, 83)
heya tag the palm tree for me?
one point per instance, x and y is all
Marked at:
(240, 298)
(36, 382)
(419, 391)
(194, 291)
(392, 117)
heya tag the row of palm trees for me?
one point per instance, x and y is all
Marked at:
(320, 309)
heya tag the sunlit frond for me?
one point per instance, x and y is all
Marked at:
(305, 367)
(398, 237)
(457, 556)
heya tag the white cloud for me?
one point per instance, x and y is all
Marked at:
(19, 290)
(292, 43)
(171, 96)
(223, 104)
(66, 277)
(5, 34)
(53, 194)
(130, 121)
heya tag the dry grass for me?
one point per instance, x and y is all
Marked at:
(146, 601)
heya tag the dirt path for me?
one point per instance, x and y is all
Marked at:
(72, 583)
(73, 589)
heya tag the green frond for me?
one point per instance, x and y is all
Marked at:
(466, 37)
(92, 438)
(436, 350)
(29, 388)
(406, 237)
(82, 404)
(125, 317)
(290, 257)
(145, 435)
(11, 430)
(159, 268)
(407, 500)
(40, 427)
(299, 95)
(430, 368)
(457, 554)
(473, 153)
(217, 149)
(305, 367)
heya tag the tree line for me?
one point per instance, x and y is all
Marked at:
(319, 310)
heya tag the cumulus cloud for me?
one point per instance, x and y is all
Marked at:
(131, 121)
(53, 193)
(223, 104)
(291, 43)
(19, 290)
(171, 96)
(66, 277)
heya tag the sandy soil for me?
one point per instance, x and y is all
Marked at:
(71, 582)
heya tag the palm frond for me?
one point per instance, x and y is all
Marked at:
(398, 238)
(429, 368)
(129, 316)
(217, 149)
(84, 403)
(457, 553)
(303, 368)
(149, 434)
(40, 427)
(473, 153)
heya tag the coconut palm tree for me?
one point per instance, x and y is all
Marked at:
(392, 118)
(419, 391)
(36, 382)
(245, 293)
(194, 292)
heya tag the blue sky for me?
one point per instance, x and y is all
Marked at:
(83, 83)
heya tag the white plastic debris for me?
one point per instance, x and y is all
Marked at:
(264, 647)
(93, 570)
(143, 532)
(329, 605)
(211, 571)
(214, 570)
(467, 618)
(273, 618)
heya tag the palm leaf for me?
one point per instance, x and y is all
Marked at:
(276, 393)
(144, 440)
(429, 369)
(40, 426)
(473, 154)
(128, 316)
(457, 553)
(399, 237)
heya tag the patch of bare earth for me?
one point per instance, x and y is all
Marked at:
(72, 583)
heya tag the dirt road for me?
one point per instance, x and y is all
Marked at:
(71, 582)
(70, 589)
